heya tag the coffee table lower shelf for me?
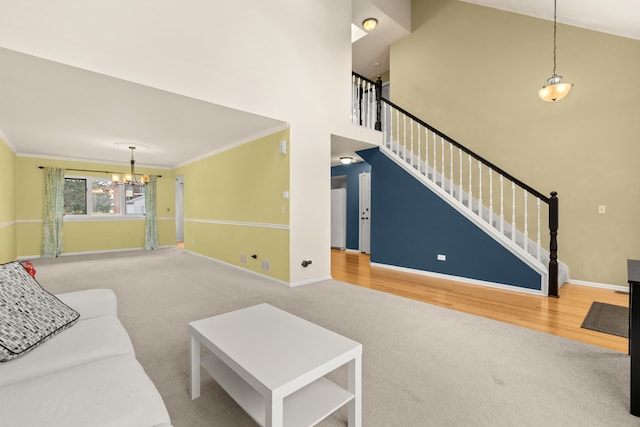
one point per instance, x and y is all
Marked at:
(305, 407)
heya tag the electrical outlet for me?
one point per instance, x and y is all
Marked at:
(602, 209)
(442, 257)
(243, 259)
(265, 265)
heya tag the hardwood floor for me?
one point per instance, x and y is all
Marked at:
(559, 316)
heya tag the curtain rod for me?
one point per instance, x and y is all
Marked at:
(90, 170)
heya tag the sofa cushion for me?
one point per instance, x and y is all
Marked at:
(88, 340)
(29, 315)
(114, 391)
(91, 302)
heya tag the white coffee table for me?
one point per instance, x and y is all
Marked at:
(273, 364)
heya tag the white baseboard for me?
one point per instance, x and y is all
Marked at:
(309, 281)
(109, 251)
(461, 279)
(619, 288)
(354, 251)
(237, 267)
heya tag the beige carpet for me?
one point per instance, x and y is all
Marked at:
(422, 365)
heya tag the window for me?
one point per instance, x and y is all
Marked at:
(100, 197)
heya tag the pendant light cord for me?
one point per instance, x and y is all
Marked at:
(555, 44)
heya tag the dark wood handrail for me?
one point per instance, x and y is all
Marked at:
(363, 78)
(469, 152)
(457, 144)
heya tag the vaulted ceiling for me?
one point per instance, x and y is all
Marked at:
(60, 111)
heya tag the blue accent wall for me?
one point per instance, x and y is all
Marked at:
(352, 173)
(411, 225)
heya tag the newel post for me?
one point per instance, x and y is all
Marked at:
(553, 245)
(379, 103)
(360, 96)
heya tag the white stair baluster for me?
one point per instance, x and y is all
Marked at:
(411, 158)
(442, 162)
(480, 189)
(491, 197)
(372, 100)
(397, 144)
(525, 240)
(538, 245)
(363, 105)
(353, 99)
(513, 211)
(389, 125)
(426, 152)
(470, 201)
(368, 112)
(404, 137)
(419, 158)
(460, 182)
(501, 204)
(435, 165)
(450, 169)
(384, 122)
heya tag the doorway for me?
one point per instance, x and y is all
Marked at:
(179, 209)
(365, 212)
(339, 212)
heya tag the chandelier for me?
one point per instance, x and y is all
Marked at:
(130, 178)
(555, 90)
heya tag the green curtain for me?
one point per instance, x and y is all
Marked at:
(150, 226)
(52, 243)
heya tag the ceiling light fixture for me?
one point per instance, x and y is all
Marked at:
(346, 160)
(555, 89)
(370, 24)
(130, 178)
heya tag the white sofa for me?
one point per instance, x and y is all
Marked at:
(85, 376)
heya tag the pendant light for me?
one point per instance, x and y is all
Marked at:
(555, 90)
(130, 178)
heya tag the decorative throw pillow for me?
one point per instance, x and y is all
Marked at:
(29, 315)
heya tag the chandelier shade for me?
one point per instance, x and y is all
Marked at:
(555, 90)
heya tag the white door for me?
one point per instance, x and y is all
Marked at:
(365, 213)
(339, 218)
(179, 209)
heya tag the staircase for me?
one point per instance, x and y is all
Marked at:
(508, 210)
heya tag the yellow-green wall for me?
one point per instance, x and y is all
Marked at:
(234, 205)
(8, 251)
(86, 235)
(474, 72)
